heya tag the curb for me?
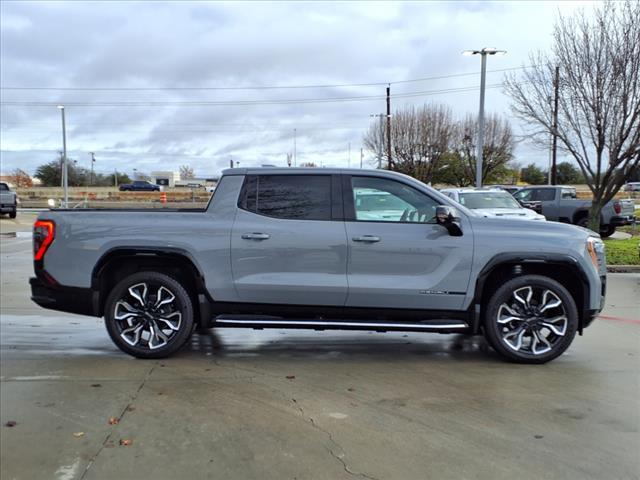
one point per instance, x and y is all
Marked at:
(623, 268)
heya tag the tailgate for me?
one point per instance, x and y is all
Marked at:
(628, 207)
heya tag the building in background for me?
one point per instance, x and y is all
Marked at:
(165, 178)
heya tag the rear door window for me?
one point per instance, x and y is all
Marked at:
(290, 197)
(544, 194)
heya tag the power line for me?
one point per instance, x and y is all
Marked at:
(261, 87)
(201, 103)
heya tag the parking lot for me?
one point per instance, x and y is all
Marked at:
(285, 404)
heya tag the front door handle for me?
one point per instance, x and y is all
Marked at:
(367, 239)
(256, 236)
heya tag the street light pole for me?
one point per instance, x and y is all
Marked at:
(65, 168)
(483, 74)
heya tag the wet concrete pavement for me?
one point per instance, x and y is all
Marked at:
(280, 404)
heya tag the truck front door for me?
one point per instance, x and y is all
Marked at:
(398, 256)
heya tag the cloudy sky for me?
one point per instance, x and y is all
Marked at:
(156, 85)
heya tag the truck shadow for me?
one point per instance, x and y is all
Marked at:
(353, 345)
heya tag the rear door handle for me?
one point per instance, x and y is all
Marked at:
(256, 236)
(367, 239)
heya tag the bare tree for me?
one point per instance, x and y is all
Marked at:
(497, 150)
(186, 172)
(598, 95)
(21, 179)
(419, 138)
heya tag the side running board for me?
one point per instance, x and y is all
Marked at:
(444, 325)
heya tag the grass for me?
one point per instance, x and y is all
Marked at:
(623, 252)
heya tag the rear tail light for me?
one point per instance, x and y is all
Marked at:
(617, 207)
(43, 234)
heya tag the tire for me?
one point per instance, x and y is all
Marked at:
(527, 337)
(584, 223)
(139, 330)
(13, 214)
(607, 231)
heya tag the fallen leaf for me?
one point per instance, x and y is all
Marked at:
(125, 442)
(290, 377)
(78, 434)
(114, 421)
(130, 409)
(11, 423)
(350, 389)
(96, 385)
(538, 436)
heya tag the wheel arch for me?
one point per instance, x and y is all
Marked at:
(119, 262)
(562, 268)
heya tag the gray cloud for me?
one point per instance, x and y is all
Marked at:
(184, 44)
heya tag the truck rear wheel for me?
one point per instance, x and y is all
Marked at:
(149, 315)
(531, 319)
(12, 214)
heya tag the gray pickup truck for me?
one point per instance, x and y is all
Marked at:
(8, 200)
(307, 248)
(561, 204)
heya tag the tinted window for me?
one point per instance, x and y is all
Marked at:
(382, 200)
(568, 193)
(4, 187)
(293, 197)
(545, 194)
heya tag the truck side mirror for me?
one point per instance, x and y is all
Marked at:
(448, 217)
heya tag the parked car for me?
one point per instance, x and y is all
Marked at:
(491, 203)
(561, 204)
(139, 186)
(8, 200)
(298, 248)
(632, 187)
(507, 188)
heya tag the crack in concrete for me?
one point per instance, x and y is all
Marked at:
(339, 458)
(120, 417)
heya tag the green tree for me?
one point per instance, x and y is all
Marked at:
(533, 175)
(568, 174)
(452, 171)
(50, 174)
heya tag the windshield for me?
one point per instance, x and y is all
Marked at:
(475, 200)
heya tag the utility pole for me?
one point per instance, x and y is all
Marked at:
(295, 158)
(349, 158)
(93, 160)
(554, 147)
(389, 126)
(361, 156)
(115, 177)
(65, 167)
(231, 161)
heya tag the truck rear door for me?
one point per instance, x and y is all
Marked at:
(288, 243)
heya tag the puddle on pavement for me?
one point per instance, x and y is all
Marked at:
(16, 235)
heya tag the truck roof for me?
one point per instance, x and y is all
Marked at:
(306, 171)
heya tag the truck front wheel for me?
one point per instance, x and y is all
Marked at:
(149, 315)
(12, 214)
(531, 319)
